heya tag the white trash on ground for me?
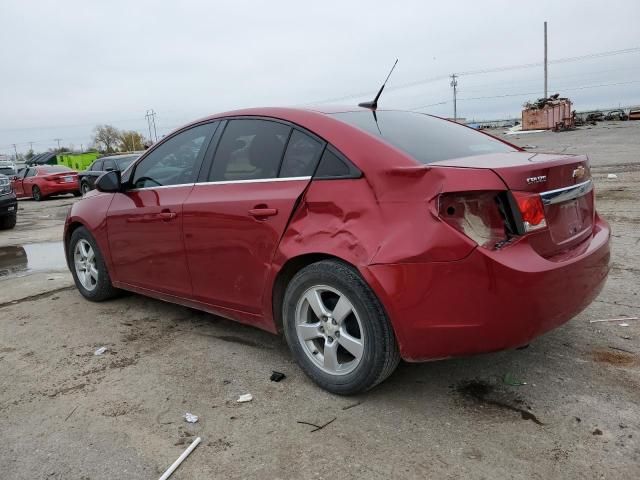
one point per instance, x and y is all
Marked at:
(190, 417)
(612, 176)
(100, 351)
(247, 397)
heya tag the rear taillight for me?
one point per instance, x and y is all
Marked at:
(531, 210)
(475, 214)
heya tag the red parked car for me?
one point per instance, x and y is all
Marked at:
(43, 181)
(364, 236)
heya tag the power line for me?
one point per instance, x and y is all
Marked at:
(483, 71)
(584, 87)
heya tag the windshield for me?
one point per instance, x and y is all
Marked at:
(427, 139)
(7, 171)
(124, 162)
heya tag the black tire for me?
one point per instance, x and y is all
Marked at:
(8, 222)
(380, 354)
(36, 193)
(103, 289)
(77, 194)
(84, 188)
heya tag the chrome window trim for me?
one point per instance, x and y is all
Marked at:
(564, 194)
(223, 182)
(257, 180)
(161, 186)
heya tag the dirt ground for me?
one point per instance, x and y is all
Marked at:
(566, 407)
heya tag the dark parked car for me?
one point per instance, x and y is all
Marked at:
(105, 164)
(364, 236)
(8, 204)
(616, 115)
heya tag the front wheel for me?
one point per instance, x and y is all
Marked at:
(84, 188)
(36, 193)
(337, 329)
(8, 222)
(88, 268)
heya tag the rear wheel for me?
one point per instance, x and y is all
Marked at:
(84, 188)
(88, 268)
(36, 193)
(337, 329)
(8, 222)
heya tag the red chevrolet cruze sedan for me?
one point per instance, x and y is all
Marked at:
(365, 236)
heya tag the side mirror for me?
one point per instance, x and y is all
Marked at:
(109, 169)
(109, 182)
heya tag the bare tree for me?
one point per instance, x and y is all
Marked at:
(106, 136)
(130, 141)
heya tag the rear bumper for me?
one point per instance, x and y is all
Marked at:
(491, 300)
(8, 205)
(55, 188)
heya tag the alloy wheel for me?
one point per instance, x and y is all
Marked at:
(84, 260)
(329, 330)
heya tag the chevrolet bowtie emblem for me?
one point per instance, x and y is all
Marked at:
(579, 172)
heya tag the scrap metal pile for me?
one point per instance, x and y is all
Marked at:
(552, 113)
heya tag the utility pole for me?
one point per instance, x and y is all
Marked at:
(15, 149)
(151, 120)
(546, 93)
(58, 140)
(31, 146)
(454, 84)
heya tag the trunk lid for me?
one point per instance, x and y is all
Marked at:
(563, 183)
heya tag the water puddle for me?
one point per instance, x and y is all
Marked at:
(31, 257)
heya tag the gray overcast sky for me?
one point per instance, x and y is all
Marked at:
(69, 65)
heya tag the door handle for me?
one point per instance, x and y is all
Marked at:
(263, 212)
(167, 215)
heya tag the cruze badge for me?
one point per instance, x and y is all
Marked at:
(538, 179)
(578, 172)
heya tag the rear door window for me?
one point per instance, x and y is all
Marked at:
(249, 149)
(301, 157)
(109, 164)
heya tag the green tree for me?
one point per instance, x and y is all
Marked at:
(106, 137)
(130, 141)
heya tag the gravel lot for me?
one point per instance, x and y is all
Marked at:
(68, 414)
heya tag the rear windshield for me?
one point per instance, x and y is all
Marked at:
(7, 171)
(427, 139)
(55, 169)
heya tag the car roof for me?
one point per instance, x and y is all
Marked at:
(115, 157)
(348, 139)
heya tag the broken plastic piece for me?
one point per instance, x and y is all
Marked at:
(100, 351)
(509, 379)
(277, 376)
(190, 417)
(612, 176)
(623, 324)
(180, 459)
(247, 397)
(614, 319)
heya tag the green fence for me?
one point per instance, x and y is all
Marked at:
(77, 161)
